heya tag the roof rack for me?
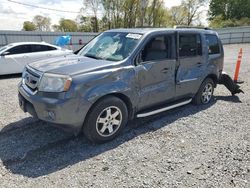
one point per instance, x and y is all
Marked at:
(190, 27)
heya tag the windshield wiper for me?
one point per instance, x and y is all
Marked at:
(92, 56)
(111, 59)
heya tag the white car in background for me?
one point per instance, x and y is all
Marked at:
(14, 56)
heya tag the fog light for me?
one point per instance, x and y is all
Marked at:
(51, 115)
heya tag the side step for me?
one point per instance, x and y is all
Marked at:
(150, 113)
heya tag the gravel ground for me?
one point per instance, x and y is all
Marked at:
(192, 146)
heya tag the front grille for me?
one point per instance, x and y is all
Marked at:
(31, 78)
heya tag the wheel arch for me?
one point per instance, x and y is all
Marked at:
(127, 102)
(214, 78)
(122, 97)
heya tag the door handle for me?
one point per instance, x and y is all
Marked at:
(165, 70)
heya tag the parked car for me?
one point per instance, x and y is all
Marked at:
(15, 56)
(123, 74)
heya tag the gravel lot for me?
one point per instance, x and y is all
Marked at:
(192, 146)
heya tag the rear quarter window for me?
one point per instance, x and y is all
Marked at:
(213, 44)
(41, 48)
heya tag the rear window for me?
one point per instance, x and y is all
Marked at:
(41, 48)
(213, 44)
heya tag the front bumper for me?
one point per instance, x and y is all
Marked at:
(68, 114)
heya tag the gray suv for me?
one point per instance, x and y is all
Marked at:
(122, 74)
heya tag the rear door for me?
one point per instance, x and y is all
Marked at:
(190, 64)
(156, 71)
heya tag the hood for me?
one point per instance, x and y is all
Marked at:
(70, 64)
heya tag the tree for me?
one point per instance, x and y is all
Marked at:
(134, 13)
(42, 23)
(130, 11)
(114, 12)
(66, 25)
(94, 6)
(224, 13)
(107, 5)
(29, 26)
(229, 9)
(178, 15)
(164, 18)
(188, 13)
(219, 22)
(86, 23)
(143, 11)
(154, 11)
(193, 10)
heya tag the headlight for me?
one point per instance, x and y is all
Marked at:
(54, 83)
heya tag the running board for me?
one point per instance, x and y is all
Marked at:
(163, 109)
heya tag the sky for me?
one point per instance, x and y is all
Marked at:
(13, 15)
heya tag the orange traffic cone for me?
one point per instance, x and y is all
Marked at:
(237, 68)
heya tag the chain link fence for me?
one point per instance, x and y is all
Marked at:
(234, 35)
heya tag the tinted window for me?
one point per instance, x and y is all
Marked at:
(19, 49)
(51, 48)
(213, 44)
(41, 48)
(189, 45)
(158, 48)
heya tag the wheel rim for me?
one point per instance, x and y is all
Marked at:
(207, 93)
(109, 121)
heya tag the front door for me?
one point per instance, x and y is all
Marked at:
(15, 60)
(156, 71)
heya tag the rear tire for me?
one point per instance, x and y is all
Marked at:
(205, 92)
(105, 120)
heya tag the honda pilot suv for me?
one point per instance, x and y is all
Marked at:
(122, 74)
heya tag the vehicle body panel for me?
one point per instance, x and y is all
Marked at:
(140, 84)
(15, 63)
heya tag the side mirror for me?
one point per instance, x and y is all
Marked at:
(5, 53)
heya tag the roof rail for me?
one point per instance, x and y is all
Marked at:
(190, 27)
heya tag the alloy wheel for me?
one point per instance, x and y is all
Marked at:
(207, 93)
(109, 121)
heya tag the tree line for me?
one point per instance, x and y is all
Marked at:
(108, 14)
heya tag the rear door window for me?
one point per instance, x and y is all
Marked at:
(190, 45)
(213, 44)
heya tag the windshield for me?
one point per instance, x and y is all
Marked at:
(4, 48)
(112, 46)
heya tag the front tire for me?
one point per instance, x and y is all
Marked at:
(205, 92)
(105, 120)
